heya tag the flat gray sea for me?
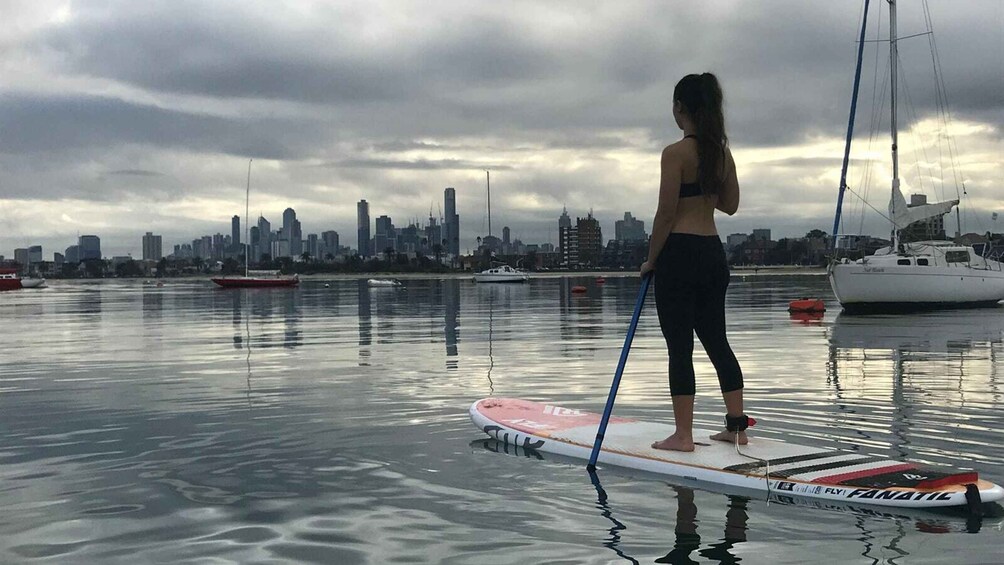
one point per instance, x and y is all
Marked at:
(329, 424)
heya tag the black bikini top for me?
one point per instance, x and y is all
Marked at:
(690, 189)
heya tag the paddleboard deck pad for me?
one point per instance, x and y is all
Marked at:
(799, 470)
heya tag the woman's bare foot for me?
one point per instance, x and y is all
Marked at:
(675, 442)
(731, 437)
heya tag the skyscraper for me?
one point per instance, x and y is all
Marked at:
(89, 247)
(235, 234)
(152, 249)
(564, 221)
(363, 228)
(291, 232)
(385, 236)
(264, 238)
(451, 223)
(590, 241)
(330, 239)
(629, 229)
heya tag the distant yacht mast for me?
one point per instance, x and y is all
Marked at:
(247, 241)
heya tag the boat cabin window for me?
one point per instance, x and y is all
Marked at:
(957, 256)
(922, 261)
(902, 261)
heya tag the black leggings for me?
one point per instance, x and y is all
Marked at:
(691, 277)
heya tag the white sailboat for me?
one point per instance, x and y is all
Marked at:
(498, 273)
(924, 274)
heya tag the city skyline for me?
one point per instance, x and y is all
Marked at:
(104, 134)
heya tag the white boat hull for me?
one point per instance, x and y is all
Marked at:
(501, 278)
(861, 284)
(32, 283)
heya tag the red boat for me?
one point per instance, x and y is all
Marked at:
(9, 279)
(257, 280)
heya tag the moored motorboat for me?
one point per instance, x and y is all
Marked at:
(9, 280)
(383, 282)
(501, 274)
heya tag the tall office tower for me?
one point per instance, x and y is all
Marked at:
(590, 241)
(34, 254)
(363, 228)
(629, 229)
(21, 257)
(568, 241)
(330, 239)
(296, 239)
(451, 223)
(73, 254)
(312, 247)
(219, 246)
(206, 246)
(505, 234)
(265, 237)
(254, 245)
(564, 221)
(762, 234)
(291, 232)
(58, 258)
(152, 249)
(235, 234)
(89, 247)
(385, 235)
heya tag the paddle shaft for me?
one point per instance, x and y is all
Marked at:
(642, 292)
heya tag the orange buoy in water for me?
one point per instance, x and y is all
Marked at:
(807, 305)
(578, 289)
(600, 280)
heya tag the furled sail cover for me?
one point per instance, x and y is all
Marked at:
(903, 215)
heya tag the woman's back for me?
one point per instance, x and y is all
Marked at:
(695, 210)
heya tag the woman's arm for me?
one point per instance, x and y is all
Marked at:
(728, 198)
(665, 215)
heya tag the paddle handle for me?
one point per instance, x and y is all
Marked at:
(620, 370)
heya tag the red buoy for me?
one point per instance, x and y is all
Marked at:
(578, 289)
(807, 305)
(600, 280)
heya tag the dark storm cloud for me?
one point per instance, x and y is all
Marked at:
(40, 124)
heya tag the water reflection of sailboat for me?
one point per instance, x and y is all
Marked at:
(365, 323)
(938, 331)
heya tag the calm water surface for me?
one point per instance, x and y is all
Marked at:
(329, 424)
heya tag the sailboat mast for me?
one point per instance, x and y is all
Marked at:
(850, 126)
(893, 58)
(247, 203)
(488, 176)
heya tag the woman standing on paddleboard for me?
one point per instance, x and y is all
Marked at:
(687, 258)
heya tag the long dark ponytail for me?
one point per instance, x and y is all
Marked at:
(701, 97)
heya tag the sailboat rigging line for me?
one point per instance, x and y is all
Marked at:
(764, 462)
(850, 127)
(876, 117)
(898, 38)
(880, 213)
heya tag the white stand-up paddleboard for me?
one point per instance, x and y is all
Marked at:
(767, 465)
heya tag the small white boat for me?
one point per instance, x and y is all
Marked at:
(32, 282)
(383, 282)
(501, 274)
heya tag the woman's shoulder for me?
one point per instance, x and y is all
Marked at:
(683, 149)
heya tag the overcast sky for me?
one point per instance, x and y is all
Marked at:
(119, 117)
